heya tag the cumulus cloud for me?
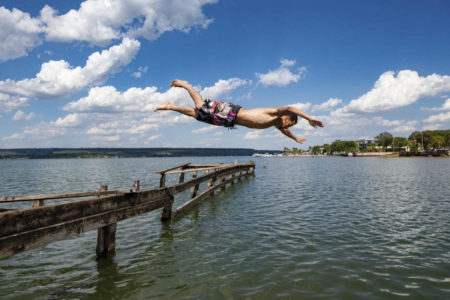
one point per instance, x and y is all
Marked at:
(253, 135)
(139, 72)
(98, 22)
(328, 105)
(204, 129)
(439, 118)
(445, 106)
(391, 91)
(59, 79)
(222, 88)
(8, 103)
(154, 137)
(108, 99)
(20, 115)
(281, 76)
(19, 33)
(71, 120)
(302, 106)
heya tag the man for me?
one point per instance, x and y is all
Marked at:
(227, 114)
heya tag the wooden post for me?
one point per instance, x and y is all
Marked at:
(103, 188)
(194, 189)
(106, 235)
(106, 239)
(166, 213)
(211, 182)
(181, 176)
(136, 186)
(37, 203)
(223, 180)
(232, 179)
(162, 181)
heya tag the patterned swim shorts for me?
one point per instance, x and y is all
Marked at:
(218, 113)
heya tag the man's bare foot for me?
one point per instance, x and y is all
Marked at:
(165, 106)
(179, 83)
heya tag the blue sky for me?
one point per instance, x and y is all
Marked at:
(89, 73)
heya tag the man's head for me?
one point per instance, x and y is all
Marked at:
(288, 120)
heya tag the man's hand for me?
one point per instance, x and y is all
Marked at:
(300, 140)
(314, 123)
(179, 83)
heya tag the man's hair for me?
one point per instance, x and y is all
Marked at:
(293, 118)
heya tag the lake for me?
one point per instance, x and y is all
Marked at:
(303, 228)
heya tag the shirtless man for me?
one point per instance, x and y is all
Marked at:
(227, 114)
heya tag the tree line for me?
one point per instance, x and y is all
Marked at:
(417, 141)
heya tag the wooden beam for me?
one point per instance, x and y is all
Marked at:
(17, 221)
(194, 170)
(193, 202)
(173, 168)
(62, 196)
(222, 172)
(14, 243)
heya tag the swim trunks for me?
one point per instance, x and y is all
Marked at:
(218, 113)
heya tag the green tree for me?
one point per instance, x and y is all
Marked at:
(400, 142)
(437, 141)
(316, 149)
(286, 150)
(384, 139)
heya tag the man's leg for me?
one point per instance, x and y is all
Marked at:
(185, 110)
(196, 97)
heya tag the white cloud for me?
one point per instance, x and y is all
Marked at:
(8, 103)
(154, 137)
(253, 135)
(445, 106)
(98, 22)
(403, 129)
(71, 120)
(302, 106)
(20, 115)
(99, 131)
(112, 138)
(139, 72)
(19, 33)
(107, 99)
(392, 91)
(58, 79)
(439, 118)
(218, 133)
(204, 129)
(328, 105)
(141, 128)
(281, 76)
(222, 88)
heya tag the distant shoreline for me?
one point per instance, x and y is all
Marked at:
(52, 153)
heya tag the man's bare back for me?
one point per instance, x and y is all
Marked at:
(228, 114)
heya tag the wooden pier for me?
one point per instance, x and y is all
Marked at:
(24, 229)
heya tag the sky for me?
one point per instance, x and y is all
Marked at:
(90, 73)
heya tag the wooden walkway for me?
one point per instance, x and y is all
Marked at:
(23, 229)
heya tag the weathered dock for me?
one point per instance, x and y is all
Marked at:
(23, 229)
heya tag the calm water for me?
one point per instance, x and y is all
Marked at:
(313, 228)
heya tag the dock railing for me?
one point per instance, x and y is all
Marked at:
(23, 229)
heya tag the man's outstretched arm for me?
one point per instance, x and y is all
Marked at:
(290, 109)
(289, 134)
